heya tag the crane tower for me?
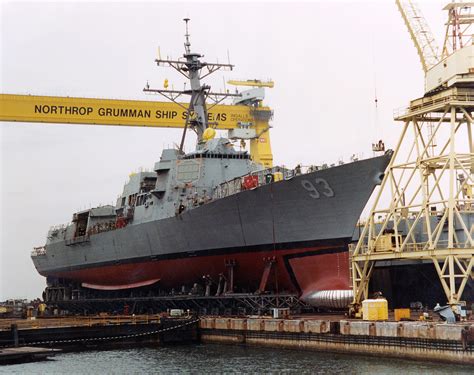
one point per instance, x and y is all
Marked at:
(424, 210)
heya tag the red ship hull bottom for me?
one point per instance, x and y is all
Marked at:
(299, 270)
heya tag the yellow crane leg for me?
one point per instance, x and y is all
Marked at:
(260, 147)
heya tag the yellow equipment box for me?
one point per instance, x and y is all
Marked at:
(277, 176)
(375, 309)
(402, 314)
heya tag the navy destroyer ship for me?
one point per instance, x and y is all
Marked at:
(216, 214)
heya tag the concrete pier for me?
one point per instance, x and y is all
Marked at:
(416, 340)
(25, 354)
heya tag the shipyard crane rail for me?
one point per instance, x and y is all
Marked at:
(242, 122)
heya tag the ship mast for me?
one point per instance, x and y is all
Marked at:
(194, 70)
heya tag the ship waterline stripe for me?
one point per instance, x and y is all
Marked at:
(331, 246)
(304, 224)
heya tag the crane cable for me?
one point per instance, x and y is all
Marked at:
(379, 146)
(376, 100)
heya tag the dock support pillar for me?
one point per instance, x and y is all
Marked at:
(230, 265)
(269, 262)
(14, 331)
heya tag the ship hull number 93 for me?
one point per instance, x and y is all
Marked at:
(317, 188)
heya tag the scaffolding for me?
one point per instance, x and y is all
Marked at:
(424, 209)
(230, 304)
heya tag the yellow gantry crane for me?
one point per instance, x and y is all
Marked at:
(242, 121)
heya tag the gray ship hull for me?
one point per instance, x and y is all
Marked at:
(312, 214)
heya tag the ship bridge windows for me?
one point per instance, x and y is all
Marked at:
(143, 199)
(214, 155)
(132, 199)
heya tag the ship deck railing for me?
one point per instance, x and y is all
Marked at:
(236, 185)
(410, 247)
(38, 251)
(102, 227)
(437, 101)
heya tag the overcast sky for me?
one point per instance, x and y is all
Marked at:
(327, 60)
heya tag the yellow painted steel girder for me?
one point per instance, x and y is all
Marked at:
(252, 83)
(137, 113)
(69, 110)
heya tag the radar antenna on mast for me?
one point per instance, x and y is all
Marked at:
(187, 44)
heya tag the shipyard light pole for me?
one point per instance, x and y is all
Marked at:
(424, 209)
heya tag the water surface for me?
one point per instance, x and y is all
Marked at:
(215, 359)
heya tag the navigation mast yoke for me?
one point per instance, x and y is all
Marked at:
(190, 67)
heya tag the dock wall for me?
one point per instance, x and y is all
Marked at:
(414, 340)
(73, 334)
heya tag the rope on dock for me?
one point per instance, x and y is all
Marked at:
(149, 333)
